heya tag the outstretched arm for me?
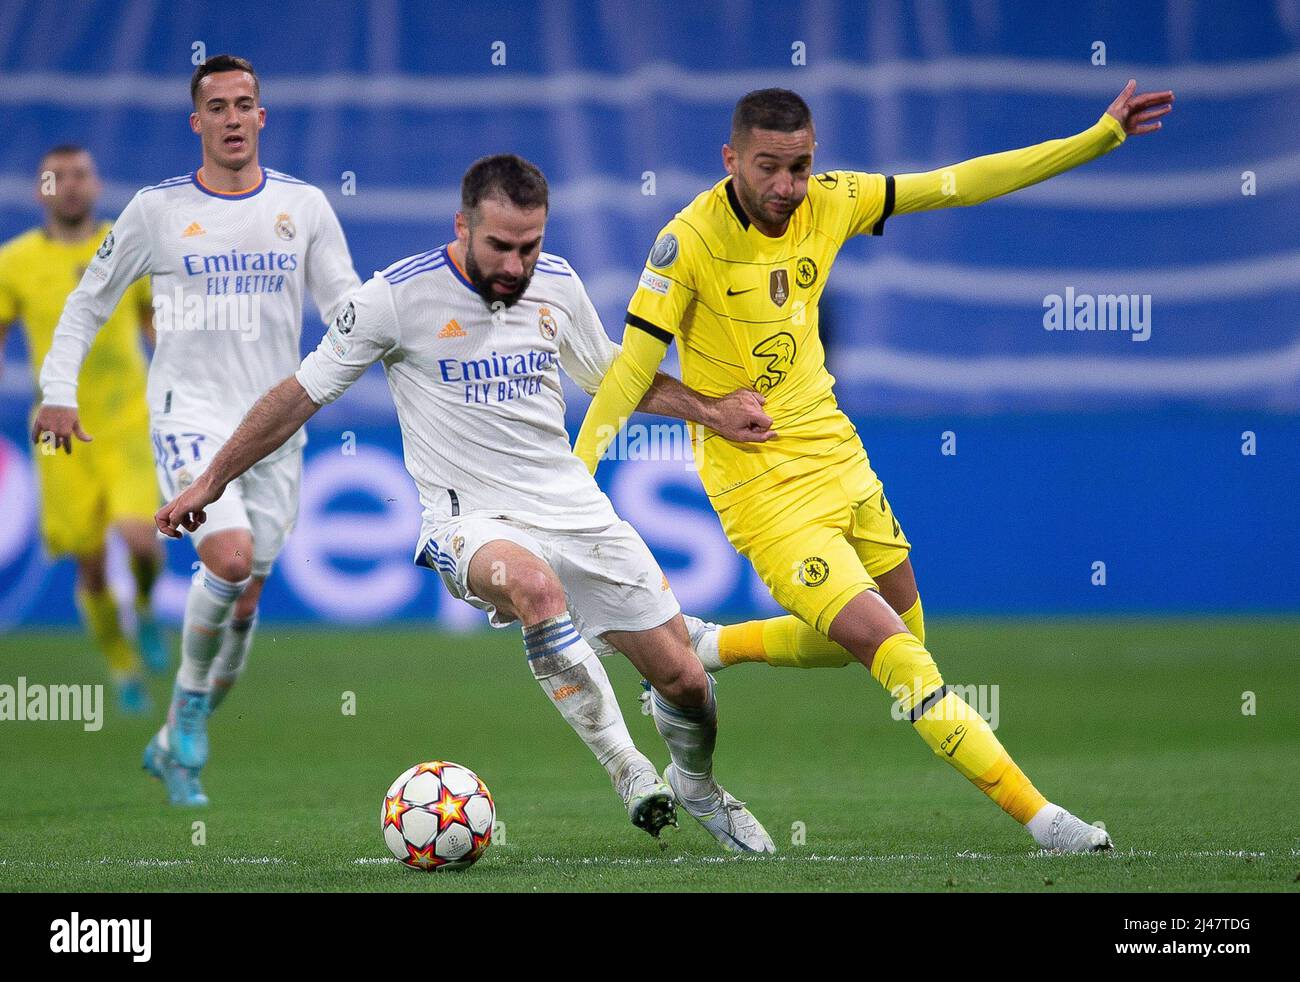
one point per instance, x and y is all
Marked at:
(980, 179)
(737, 416)
(275, 417)
(627, 380)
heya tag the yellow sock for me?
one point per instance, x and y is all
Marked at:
(786, 642)
(952, 729)
(99, 611)
(914, 619)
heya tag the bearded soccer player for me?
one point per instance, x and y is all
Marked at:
(110, 485)
(473, 336)
(735, 279)
(232, 248)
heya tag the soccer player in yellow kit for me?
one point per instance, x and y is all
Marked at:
(735, 278)
(111, 484)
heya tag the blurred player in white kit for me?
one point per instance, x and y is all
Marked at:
(230, 248)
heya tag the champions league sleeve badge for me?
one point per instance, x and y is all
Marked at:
(664, 252)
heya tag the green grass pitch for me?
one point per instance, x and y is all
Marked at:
(1136, 722)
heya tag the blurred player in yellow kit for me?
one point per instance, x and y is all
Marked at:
(735, 278)
(111, 483)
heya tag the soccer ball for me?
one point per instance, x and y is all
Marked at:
(437, 815)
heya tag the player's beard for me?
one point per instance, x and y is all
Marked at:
(484, 285)
(70, 221)
(754, 205)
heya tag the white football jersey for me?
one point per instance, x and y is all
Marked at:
(228, 273)
(477, 392)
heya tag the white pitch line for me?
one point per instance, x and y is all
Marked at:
(786, 857)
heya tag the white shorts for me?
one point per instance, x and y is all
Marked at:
(610, 578)
(264, 499)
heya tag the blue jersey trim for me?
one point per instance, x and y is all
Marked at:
(426, 267)
(406, 268)
(276, 175)
(171, 182)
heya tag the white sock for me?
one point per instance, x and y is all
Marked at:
(1040, 824)
(690, 735)
(207, 608)
(573, 677)
(232, 656)
(704, 644)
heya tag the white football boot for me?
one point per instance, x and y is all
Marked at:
(1064, 833)
(650, 802)
(726, 819)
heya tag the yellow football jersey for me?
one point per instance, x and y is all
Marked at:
(36, 275)
(743, 307)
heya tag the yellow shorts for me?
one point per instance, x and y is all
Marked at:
(85, 492)
(818, 540)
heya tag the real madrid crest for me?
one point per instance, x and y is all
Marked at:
(458, 545)
(284, 227)
(546, 323)
(778, 286)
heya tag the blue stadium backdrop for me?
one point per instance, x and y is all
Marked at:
(1072, 448)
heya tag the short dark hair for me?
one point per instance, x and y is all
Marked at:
(62, 150)
(770, 109)
(222, 63)
(507, 174)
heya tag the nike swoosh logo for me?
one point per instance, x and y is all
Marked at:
(956, 745)
(736, 293)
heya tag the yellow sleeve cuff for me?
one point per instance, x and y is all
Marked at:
(1113, 124)
(621, 391)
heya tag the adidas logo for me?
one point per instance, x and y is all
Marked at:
(452, 329)
(194, 229)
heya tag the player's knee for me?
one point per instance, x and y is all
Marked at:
(233, 567)
(864, 624)
(684, 682)
(535, 592)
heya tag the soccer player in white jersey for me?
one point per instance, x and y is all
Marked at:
(471, 336)
(230, 249)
